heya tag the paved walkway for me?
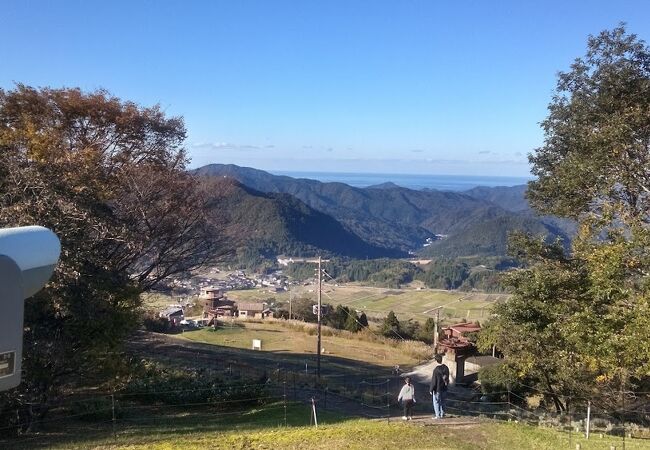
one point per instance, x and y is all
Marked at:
(428, 420)
(422, 374)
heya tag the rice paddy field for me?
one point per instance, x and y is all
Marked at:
(407, 303)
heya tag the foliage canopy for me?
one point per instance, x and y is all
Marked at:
(578, 323)
(108, 177)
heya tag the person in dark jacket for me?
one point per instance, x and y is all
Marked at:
(439, 384)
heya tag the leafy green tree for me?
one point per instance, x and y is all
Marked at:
(109, 178)
(336, 317)
(302, 309)
(529, 329)
(597, 133)
(576, 318)
(410, 329)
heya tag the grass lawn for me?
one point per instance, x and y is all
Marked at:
(279, 339)
(364, 434)
(264, 429)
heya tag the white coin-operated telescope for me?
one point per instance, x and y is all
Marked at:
(28, 256)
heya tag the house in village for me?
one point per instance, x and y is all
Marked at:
(174, 314)
(254, 310)
(216, 305)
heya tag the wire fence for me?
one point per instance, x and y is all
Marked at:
(272, 395)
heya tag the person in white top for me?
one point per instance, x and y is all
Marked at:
(407, 397)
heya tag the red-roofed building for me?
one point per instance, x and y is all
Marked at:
(457, 347)
(461, 330)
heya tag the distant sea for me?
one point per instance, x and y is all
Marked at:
(417, 182)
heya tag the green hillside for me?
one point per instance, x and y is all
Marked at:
(475, 223)
(490, 237)
(268, 224)
(510, 198)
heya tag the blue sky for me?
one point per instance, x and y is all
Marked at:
(355, 86)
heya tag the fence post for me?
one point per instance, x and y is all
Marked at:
(113, 412)
(568, 410)
(509, 404)
(325, 398)
(388, 400)
(284, 385)
(588, 418)
(623, 418)
(313, 413)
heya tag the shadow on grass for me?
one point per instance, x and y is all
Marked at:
(155, 345)
(153, 423)
(171, 422)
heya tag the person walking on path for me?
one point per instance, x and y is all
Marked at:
(407, 397)
(439, 384)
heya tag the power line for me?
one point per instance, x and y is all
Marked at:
(357, 320)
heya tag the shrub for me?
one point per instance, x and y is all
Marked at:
(152, 322)
(96, 409)
(157, 384)
(497, 379)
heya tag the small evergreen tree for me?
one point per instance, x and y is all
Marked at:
(337, 317)
(427, 331)
(390, 326)
(363, 320)
(352, 322)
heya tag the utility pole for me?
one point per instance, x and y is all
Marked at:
(436, 331)
(320, 315)
(320, 310)
(290, 298)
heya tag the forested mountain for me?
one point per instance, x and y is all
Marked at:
(513, 198)
(510, 198)
(397, 218)
(490, 237)
(268, 224)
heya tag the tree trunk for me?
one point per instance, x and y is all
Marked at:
(559, 407)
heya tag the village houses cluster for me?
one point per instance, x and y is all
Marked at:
(209, 292)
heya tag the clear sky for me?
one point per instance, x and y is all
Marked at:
(354, 86)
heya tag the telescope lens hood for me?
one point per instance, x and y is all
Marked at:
(35, 250)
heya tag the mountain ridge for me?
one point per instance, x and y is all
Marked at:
(272, 224)
(398, 218)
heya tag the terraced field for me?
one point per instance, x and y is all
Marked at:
(407, 303)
